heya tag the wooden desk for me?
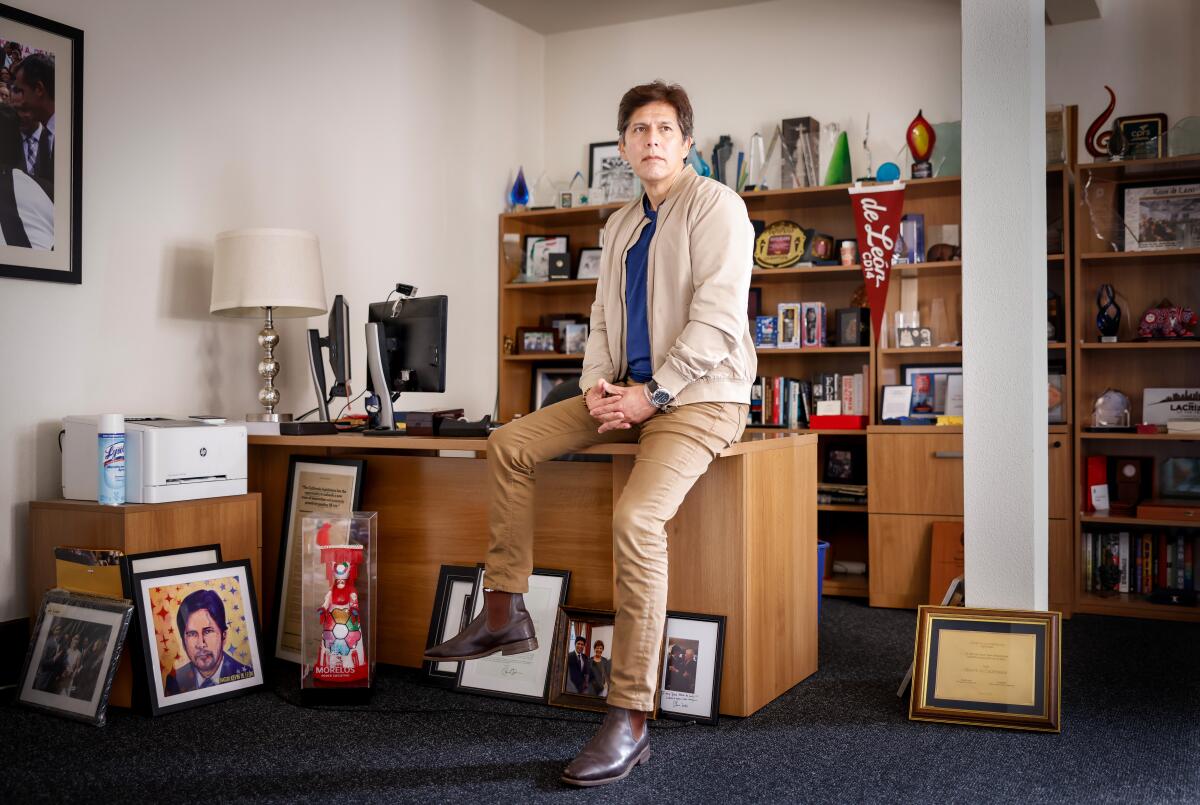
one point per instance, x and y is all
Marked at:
(743, 543)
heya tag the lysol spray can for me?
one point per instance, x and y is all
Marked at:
(110, 432)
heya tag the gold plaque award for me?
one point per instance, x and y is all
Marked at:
(988, 667)
(780, 245)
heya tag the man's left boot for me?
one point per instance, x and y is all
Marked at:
(611, 753)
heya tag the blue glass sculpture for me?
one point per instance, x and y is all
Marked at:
(697, 162)
(888, 172)
(518, 197)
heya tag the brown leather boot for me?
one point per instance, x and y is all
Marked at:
(611, 753)
(512, 633)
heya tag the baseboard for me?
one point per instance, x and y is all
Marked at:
(14, 643)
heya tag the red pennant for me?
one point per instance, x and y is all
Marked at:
(877, 211)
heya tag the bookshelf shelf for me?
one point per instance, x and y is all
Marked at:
(847, 584)
(1141, 437)
(548, 287)
(543, 356)
(921, 351)
(813, 351)
(1136, 606)
(1104, 519)
(1179, 343)
(841, 507)
(806, 272)
(1149, 256)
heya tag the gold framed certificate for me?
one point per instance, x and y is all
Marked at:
(988, 667)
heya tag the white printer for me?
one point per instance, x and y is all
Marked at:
(165, 459)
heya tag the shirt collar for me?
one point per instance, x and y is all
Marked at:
(649, 213)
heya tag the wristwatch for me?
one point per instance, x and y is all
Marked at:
(659, 397)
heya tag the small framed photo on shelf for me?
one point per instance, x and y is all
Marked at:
(546, 379)
(199, 633)
(524, 677)
(853, 326)
(1056, 402)
(576, 339)
(930, 384)
(537, 339)
(538, 249)
(1161, 215)
(589, 264)
(897, 402)
(914, 337)
(581, 663)
(610, 173)
(451, 613)
(988, 668)
(73, 655)
(693, 648)
(845, 462)
(766, 332)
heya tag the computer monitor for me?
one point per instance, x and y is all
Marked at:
(338, 344)
(406, 349)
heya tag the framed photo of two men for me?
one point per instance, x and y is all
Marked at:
(41, 148)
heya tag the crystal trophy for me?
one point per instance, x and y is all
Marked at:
(518, 196)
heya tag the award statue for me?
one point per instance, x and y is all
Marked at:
(342, 655)
(1108, 317)
(921, 139)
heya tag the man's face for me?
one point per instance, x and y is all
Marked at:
(5, 95)
(653, 144)
(32, 103)
(689, 655)
(580, 647)
(202, 640)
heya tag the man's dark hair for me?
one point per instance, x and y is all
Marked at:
(657, 90)
(201, 599)
(37, 67)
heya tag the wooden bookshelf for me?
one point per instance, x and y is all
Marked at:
(1141, 279)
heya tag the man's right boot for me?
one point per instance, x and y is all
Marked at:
(509, 630)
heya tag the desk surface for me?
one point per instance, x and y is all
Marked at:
(751, 443)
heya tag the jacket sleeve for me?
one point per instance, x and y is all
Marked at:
(597, 360)
(721, 247)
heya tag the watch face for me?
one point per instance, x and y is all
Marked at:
(661, 397)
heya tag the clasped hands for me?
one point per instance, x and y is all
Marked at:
(619, 407)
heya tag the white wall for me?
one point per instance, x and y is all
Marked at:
(388, 128)
(1146, 50)
(747, 68)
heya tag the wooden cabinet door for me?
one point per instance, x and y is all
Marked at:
(1061, 560)
(1058, 471)
(915, 474)
(900, 550)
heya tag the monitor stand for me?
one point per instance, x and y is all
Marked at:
(379, 381)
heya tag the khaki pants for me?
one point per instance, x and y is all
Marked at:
(674, 450)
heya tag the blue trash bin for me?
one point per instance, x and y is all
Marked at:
(822, 546)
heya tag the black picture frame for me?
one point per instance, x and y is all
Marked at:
(144, 584)
(625, 183)
(908, 371)
(92, 617)
(543, 374)
(466, 682)
(451, 581)
(171, 558)
(682, 704)
(558, 693)
(283, 566)
(56, 259)
(533, 269)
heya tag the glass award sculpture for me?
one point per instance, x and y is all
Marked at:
(1184, 138)
(838, 171)
(338, 599)
(758, 159)
(921, 139)
(949, 139)
(1111, 410)
(1108, 316)
(518, 197)
(720, 156)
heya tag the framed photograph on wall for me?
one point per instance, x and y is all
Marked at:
(609, 171)
(581, 663)
(41, 148)
(538, 249)
(519, 676)
(1161, 215)
(589, 264)
(199, 632)
(73, 655)
(451, 614)
(693, 651)
(329, 485)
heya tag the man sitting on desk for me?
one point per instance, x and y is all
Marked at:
(669, 364)
(202, 629)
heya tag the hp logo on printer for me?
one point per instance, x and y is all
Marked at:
(203, 452)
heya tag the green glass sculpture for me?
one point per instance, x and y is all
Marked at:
(948, 159)
(838, 171)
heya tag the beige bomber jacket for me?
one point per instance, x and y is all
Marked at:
(697, 281)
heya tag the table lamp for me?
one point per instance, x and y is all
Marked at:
(267, 272)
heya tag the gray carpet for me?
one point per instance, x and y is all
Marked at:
(1131, 733)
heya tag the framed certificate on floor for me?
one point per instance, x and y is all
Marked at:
(988, 667)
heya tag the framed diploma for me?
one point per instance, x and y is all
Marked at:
(327, 485)
(988, 667)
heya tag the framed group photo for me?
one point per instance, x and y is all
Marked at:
(693, 653)
(581, 664)
(199, 633)
(41, 147)
(73, 655)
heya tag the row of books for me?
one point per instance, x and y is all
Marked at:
(842, 494)
(790, 402)
(1140, 562)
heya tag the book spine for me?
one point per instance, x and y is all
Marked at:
(848, 398)
(1087, 561)
(1124, 543)
(1164, 561)
(806, 400)
(1179, 565)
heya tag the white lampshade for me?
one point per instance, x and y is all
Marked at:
(275, 268)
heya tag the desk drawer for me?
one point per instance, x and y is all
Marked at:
(915, 473)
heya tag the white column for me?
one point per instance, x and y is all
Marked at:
(1004, 302)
